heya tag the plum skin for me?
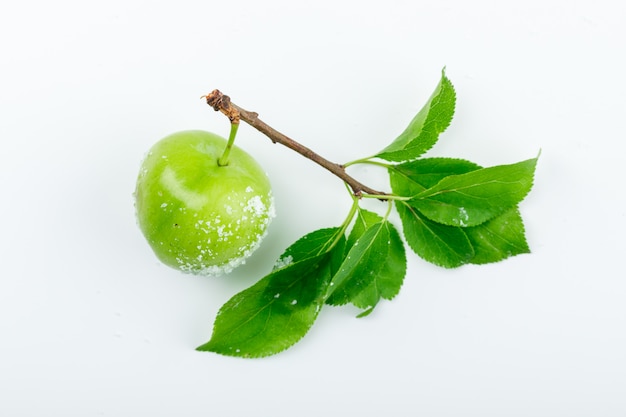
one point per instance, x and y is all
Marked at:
(197, 216)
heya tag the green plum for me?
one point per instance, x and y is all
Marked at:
(197, 215)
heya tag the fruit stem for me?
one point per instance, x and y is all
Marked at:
(220, 102)
(223, 160)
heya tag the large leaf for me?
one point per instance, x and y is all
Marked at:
(442, 245)
(279, 310)
(452, 246)
(472, 198)
(273, 314)
(423, 131)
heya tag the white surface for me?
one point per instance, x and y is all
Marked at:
(92, 325)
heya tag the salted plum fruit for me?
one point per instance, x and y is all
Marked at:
(197, 215)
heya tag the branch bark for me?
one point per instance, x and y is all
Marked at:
(220, 102)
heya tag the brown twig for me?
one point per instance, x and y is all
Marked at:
(222, 103)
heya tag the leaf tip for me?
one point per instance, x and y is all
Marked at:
(206, 347)
(365, 313)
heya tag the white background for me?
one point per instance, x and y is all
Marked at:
(92, 325)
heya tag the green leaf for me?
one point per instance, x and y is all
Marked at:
(279, 310)
(411, 178)
(472, 198)
(374, 268)
(446, 246)
(356, 271)
(273, 314)
(386, 284)
(388, 281)
(423, 131)
(491, 241)
(498, 238)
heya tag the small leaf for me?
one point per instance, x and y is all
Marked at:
(359, 265)
(411, 178)
(498, 238)
(373, 268)
(472, 198)
(388, 281)
(446, 246)
(423, 131)
(279, 310)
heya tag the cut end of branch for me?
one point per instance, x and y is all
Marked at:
(221, 103)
